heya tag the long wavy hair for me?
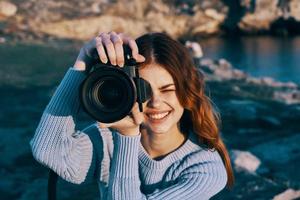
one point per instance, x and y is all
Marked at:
(199, 113)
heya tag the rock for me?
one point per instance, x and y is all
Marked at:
(267, 12)
(159, 22)
(244, 161)
(214, 14)
(131, 17)
(160, 7)
(2, 40)
(289, 194)
(73, 20)
(201, 24)
(287, 97)
(237, 83)
(246, 3)
(95, 8)
(84, 29)
(7, 9)
(195, 49)
(224, 71)
(224, 64)
(294, 9)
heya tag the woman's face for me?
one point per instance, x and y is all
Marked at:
(163, 111)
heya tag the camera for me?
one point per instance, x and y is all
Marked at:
(108, 93)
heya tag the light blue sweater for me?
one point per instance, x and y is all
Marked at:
(120, 164)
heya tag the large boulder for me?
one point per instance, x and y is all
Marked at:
(245, 161)
(267, 12)
(7, 9)
(288, 194)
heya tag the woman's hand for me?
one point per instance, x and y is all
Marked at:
(113, 44)
(129, 125)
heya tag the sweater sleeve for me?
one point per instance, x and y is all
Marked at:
(201, 176)
(56, 144)
(124, 181)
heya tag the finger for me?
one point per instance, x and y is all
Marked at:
(136, 115)
(118, 44)
(110, 49)
(135, 52)
(100, 50)
(132, 44)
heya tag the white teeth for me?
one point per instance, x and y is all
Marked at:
(158, 116)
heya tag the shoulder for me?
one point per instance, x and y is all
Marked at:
(201, 162)
(204, 168)
(203, 157)
(199, 156)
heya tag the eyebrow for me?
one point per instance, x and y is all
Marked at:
(166, 86)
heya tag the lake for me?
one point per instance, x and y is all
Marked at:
(258, 56)
(276, 57)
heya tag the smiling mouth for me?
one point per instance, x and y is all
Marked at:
(158, 116)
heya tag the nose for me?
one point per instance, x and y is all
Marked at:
(154, 101)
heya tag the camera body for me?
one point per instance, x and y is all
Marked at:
(108, 93)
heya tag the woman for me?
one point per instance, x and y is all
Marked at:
(172, 150)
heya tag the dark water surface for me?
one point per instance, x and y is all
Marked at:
(24, 65)
(276, 57)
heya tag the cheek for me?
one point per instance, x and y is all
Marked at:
(174, 102)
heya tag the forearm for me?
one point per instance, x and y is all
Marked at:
(56, 143)
(124, 182)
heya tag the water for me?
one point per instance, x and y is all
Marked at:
(259, 56)
(25, 65)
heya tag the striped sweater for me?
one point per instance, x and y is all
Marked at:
(120, 164)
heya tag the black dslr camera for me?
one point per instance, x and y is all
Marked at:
(109, 93)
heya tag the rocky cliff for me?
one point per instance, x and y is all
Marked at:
(81, 20)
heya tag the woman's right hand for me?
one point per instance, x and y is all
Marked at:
(113, 44)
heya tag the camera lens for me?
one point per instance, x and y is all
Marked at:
(109, 93)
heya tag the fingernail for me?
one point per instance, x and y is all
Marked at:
(140, 55)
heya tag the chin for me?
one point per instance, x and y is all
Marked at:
(158, 130)
(155, 128)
